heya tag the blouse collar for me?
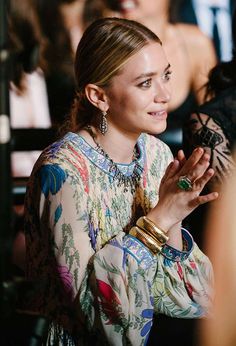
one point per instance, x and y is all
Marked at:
(104, 163)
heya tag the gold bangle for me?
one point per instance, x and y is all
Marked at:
(145, 239)
(154, 231)
(149, 232)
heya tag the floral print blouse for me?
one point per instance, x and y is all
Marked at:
(98, 284)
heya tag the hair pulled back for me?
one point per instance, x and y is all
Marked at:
(104, 48)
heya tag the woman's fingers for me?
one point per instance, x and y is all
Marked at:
(171, 170)
(200, 168)
(192, 161)
(196, 166)
(199, 185)
(181, 157)
(203, 180)
(203, 199)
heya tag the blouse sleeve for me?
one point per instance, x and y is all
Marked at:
(202, 130)
(133, 284)
(111, 294)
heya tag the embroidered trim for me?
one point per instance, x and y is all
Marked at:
(140, 252)
(102, 162)
(176, 255)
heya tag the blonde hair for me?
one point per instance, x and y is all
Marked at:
(104, 48)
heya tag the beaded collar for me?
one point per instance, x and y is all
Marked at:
(126, 175)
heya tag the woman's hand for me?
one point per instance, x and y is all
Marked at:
(174, 203)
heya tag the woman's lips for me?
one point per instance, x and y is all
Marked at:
(159, 114)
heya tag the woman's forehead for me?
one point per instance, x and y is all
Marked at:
(148, 59)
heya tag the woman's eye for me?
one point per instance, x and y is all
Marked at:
(166, 76)
(146, 84)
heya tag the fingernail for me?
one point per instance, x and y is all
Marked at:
(199, 149)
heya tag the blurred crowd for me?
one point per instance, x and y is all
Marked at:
(44, 36)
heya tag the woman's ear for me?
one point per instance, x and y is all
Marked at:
(97, 96)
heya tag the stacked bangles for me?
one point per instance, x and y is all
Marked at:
(149, 234)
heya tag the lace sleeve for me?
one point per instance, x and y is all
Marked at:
(202, 130)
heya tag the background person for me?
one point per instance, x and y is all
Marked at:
(214, 18)
(28, 95)
(213, 127)
(58, 52)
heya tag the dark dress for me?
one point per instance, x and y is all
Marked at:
(61, 92)
(213, 126)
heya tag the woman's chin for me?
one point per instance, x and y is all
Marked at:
(156, 130)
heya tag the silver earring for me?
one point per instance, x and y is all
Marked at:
(103, 127)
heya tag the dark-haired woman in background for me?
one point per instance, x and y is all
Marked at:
(63, 23)
(28, 94)
(59, 56)
(213, 125)
(28, 99)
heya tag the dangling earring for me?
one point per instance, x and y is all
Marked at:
(103, 127)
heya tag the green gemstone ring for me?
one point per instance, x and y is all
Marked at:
(184, 183)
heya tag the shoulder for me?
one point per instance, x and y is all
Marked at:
(61, 164)
(63, 153)
(193, 34)
(196, 41)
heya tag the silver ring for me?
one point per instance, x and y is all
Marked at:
(184, 183)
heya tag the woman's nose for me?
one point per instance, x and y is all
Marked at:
(163, 94)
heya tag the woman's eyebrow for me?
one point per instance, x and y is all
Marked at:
(151, 74)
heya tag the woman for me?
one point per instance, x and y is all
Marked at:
(28, 95)
(191, 53)
(213, 126)
(63, 22)
(107, 268)
(61, 26)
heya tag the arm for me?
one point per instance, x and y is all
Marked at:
(107, 292)
(89, 294)
(180, 281)
(221, 248)
(133, 285)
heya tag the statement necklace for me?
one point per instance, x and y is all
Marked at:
(128, 181)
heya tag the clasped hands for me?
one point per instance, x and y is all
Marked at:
(175, 203)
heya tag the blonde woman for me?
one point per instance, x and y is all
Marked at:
(105, 203)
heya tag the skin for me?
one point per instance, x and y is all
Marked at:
(220, 245)
(136, 102)
(190, 52)
(72, 16)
